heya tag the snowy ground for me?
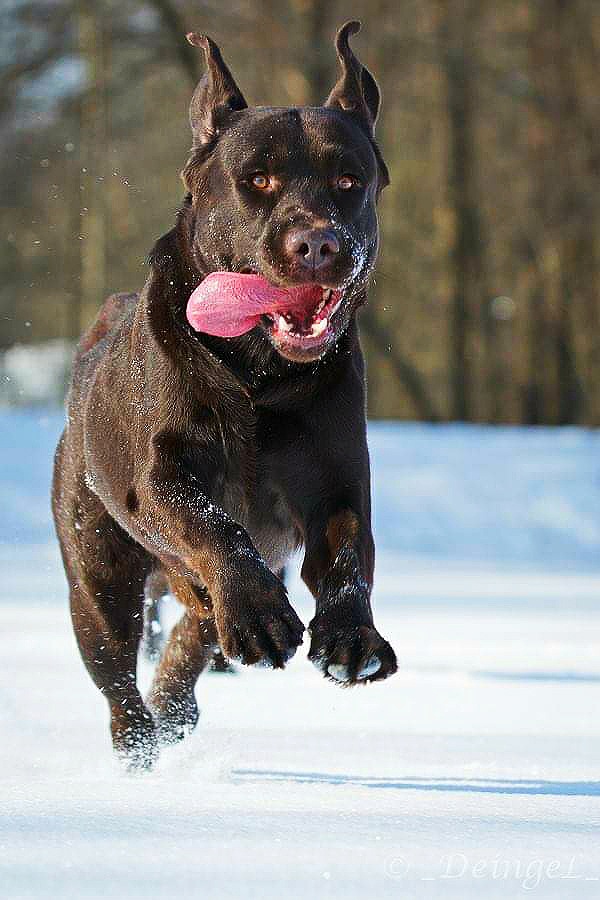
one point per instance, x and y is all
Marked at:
(475, 772)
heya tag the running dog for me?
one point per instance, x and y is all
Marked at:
(207, 460)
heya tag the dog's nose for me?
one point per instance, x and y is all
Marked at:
(313, 248)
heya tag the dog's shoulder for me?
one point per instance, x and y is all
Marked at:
(113, 312)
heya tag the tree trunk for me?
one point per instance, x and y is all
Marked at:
(456, 36)
(93, 140)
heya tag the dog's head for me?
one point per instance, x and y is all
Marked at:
(289, 193)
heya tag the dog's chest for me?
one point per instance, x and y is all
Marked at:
(253, 495)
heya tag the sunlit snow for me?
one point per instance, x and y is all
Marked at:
(475, 772)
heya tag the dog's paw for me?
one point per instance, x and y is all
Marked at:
(352, 655)
(134, 739)
(175, 717)
(257, 624)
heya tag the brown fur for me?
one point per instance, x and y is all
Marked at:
(204, 462)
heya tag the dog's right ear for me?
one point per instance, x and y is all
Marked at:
(216, 93)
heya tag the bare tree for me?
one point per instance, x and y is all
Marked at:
(93, 141)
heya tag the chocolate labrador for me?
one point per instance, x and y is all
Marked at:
(208, 460)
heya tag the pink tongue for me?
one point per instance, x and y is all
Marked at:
(228, 304)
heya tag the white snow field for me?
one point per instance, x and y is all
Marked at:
(475, 772)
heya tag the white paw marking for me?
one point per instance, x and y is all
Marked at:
(373, 665)
(338, 671)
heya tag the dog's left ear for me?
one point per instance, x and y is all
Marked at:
(356, 92)
(216, 93)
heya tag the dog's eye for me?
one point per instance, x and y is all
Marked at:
(260, 181)
(347, 182)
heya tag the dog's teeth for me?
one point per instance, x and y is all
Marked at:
(318, 327)
(283, 324)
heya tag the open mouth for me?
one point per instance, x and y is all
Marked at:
(299, 319)
(308, 322)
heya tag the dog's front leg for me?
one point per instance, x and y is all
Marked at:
(338, 568)
(254, 619)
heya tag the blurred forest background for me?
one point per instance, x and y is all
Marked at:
(486, 303)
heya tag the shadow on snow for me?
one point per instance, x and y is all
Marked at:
(467, 785)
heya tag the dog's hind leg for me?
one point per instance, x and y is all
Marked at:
(190, 647)
(107, 613)
(106, 571)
